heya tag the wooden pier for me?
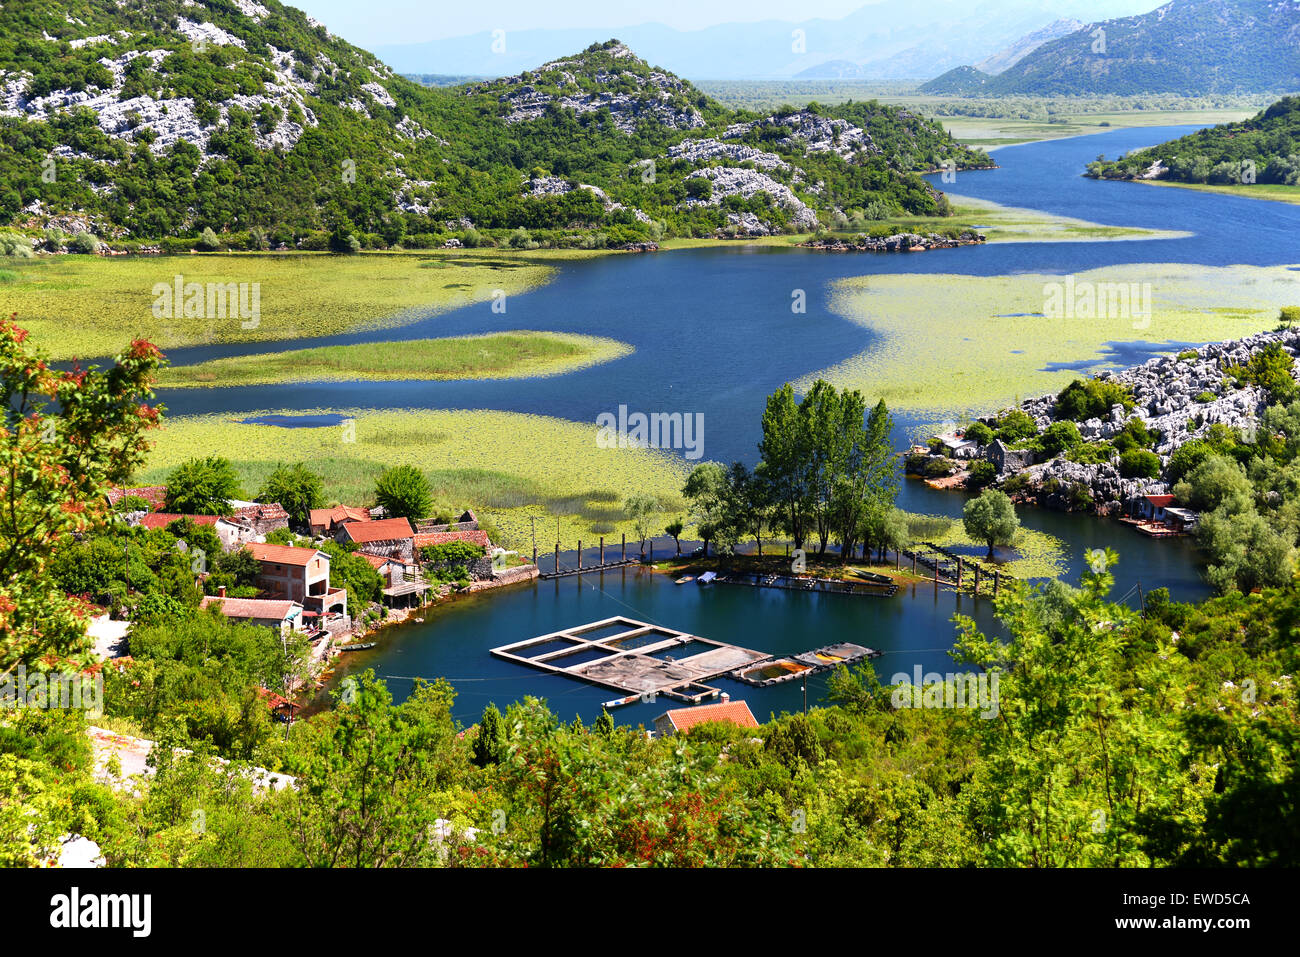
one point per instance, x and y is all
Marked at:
(561, 572)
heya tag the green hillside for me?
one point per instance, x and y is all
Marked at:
(1263, 149)
(147, 120)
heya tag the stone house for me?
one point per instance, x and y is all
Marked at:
(480, 568)
(383, 538)
(327, 521)
(262, 518)
(1006, 459)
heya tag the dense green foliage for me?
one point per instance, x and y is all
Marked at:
(337, 153)
(1263, 149)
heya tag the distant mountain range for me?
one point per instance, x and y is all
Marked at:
(885, 40)
(1005, 59)
(1190, 47)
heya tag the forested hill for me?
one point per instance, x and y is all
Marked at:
(1263, 149)
(154, 118)
(1190, 47)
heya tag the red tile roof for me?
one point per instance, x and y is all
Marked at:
(381, 531)
(283, 554)
(153, 493)
(378, 562)
(270, 609)
(339, 513)
(163, 519)
(736, 712)
(442, 538)
(1160, 501)
(270, 510)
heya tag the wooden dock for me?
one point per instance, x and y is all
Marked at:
(776, 670)
(588, 569)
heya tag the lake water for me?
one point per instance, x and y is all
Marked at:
(714, 333)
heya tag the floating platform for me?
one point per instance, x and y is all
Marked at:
(774, 671)
(589, 569)
(825, 586)
(637, 658)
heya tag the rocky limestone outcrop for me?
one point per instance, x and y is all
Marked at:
(1178, 399)
(732, 181)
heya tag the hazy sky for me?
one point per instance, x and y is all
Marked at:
(372, 22)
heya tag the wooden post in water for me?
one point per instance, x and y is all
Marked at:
(936, 572)
(557, 558)
(959, 573)
(625, 546)
(579, 553)
(898, 559)
(977, 580)
(913, 563)
(996, 576)
(602, 549)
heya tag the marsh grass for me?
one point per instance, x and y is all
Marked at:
(952, 345)
(508, 467)
(499, 355)
(94, 306)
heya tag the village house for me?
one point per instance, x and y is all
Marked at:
(327, 521)
(468, 522)
(481, 568)
(401, 581)
(155, 495)
(262, 518)
(283, 615)
(233, 534)
(384, 538)
(955, 445)
(679, 720)
(301, 575)
(1156, 510)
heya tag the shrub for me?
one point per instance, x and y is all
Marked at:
(1092, 399)
(1206, 396)
(1093, 453)
(1015, 425)
(84, 243)
(982, 473)
(979, 432)
(208, 241)
(1139, 463)
(1060, 437)
(938, 468)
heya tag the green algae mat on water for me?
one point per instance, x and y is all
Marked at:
(94, 306)
(509, 467)
(499, 355)
(951, 345)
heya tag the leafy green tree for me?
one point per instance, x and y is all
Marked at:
(706, 493)
(203, 486)
(298, 490)
(675, 529)
(66, 438)
(640, 509)
(991, 518)
(490, 743)
(404, 492)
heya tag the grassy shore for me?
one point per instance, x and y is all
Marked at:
(1009, 224)
(499, 355)
(954, 345)
(1035, 555)
(93, 306)
(1274, 191)
(510, 468)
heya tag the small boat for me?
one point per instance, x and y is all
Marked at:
(685, 578)
(708, 578)
(361, 647)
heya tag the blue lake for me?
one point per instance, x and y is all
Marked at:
(714, 333)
